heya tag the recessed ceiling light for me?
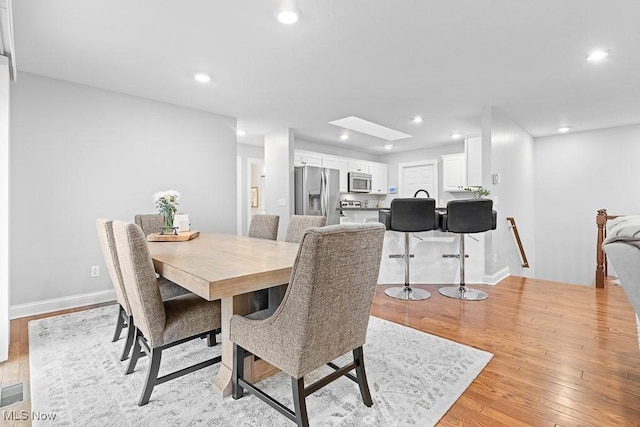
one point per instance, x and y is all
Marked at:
(564, 129)
(597, 55)
(388, 146)
(288, 16)
(456, 136)
(202, 77)
(240, 132)
(417, 119)
(344, 136)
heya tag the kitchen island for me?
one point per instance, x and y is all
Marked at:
(359, 215)
(433, 259)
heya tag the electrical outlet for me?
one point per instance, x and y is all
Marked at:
(95, 270)
(282, 202)
(495, 258)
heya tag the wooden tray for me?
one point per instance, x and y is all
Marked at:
(180, 237)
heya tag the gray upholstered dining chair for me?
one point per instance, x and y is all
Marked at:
(167, 288)
(159, 324)
(149, 223)
(299, 223)
(324, 314)
(264, 226)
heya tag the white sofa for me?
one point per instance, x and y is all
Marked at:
(622, 247)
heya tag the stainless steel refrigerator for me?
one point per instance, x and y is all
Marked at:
(317, 192)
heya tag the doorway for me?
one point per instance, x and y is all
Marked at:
(422, 175)
(254, 189)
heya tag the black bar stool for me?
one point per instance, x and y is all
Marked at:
(410, 215)
(462, 217)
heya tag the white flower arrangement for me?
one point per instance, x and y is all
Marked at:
(167, 204)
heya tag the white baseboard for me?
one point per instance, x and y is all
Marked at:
(492, 279)
(56, 304)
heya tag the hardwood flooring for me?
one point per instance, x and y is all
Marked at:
(563, 355)
(16, 369)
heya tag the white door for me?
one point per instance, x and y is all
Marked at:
(416, 176)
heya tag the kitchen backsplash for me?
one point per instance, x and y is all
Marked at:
(374, 200)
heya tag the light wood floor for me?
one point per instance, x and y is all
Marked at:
(563, 355)
(16, 368)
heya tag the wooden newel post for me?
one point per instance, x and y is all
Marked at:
(601, 220)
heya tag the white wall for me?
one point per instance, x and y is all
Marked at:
(577, 174)
(511, 155)
(278, 168)
(79, 153)
(4, 208)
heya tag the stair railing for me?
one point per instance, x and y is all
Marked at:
(514, 228)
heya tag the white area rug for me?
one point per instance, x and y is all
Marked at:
(77, 376)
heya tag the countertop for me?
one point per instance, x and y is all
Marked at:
(361, 209)
(441, 210)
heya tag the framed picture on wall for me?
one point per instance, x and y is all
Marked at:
(254, 197)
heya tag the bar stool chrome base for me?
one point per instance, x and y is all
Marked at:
(407, 293)
(464, 293)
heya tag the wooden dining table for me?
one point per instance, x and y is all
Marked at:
(226, 268)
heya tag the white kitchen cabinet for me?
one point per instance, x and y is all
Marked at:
(454, 172)
(358, 166)
(301, 158)
(378, 173)
(342, 165)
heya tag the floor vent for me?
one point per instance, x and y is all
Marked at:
(14, 394)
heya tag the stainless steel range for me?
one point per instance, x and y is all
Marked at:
(350, 204)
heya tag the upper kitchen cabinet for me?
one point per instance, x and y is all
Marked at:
(473, 149)
(301, 158)
(454, 172)
(342, 165)
(358, 166)
(462, 170)
(378, 173)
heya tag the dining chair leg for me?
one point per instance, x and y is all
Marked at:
(299, 403)
(131, 335)
(135, 354)
(120, 325)
(152, 376)
(211, 339)
(358, 358)
(238, 371)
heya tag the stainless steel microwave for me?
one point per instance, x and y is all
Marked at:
(359, 182)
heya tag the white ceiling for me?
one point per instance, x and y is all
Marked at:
(380, 60)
